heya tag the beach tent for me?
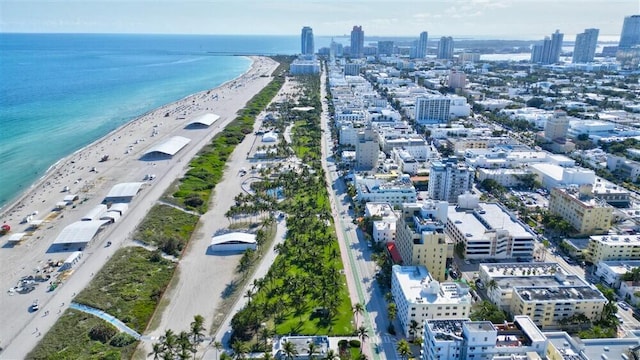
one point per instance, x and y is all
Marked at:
(70, 198)
(207, 120)
(95, 213)
(120, 208)
(61, 205)
(112, 216)
(235, 241)
(73, 259)
(79, 233)
(123, 192)
(17, 237)
(169, 147)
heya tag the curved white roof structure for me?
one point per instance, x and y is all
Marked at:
(205, 119)
(16, 237)
(235, 241)
(170, 146)
(80, 232)
(124, 190)
(95, 213)
(270, 137)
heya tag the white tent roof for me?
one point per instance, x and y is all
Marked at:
(124, 190)
(170, 146)
(234, 237)
(110, 215)
(16, 237)
(80, 232)
(74, 255)
(95, 212)
(205, 119)
(119, 207)
(70, 198)
(36, 222)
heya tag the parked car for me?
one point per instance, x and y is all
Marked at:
(623, 305)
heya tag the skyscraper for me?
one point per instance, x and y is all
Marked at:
(585, 47)
(307, 41)
(445, 48)
(357, 42)
(421, 50)
(385, 48)
(548, 51)
(630, 35)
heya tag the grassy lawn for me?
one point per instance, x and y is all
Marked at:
(167, 228)
(69, 339)
(129, 286)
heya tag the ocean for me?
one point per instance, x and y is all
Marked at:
(61, 92)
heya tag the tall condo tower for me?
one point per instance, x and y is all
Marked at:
(585, 47)
(357, 42)
(445, 48)
(421, 50)
(306, 40)
(548, 51)
(630, 35)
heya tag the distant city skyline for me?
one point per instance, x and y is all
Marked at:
(504, 19)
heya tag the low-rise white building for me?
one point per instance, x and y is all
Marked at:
(419, 297)
(551, 175)
(395, 192)
(384, 230)
(611, 272)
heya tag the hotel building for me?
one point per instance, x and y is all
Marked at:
(613, 247)
(587, 214)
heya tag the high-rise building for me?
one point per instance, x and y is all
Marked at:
(385, 48)
(307, 41)
(420, 236)
(448, 180)
(421, 48)
(548, 51)
(457, 79)
(433, 109)
(357, 42)
(445, 48)
(630, 35)
(557, 127)
(585, 47)
(367, 149)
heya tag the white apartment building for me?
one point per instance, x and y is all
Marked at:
(406, 162)
(448, 180)
(552, 175)
(505, 177)
(395, 192)
(414, 144)
(489, 232)
(348, 134)
(588, 215)
(610, 272)
(420, 237)
(384, 230)
(419, 297)
(499, 157)
(439, 109)
(613, 247)
(623, 167)
(463, 339)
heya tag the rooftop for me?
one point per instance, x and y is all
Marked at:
(487, 218)
(446, 330)
(419, 287)
(554, 294)
(617, 240)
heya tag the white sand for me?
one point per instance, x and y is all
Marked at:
(17, 334)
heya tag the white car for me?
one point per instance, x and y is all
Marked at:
(623, 305)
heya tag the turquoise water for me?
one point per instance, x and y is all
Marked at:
(60, 92)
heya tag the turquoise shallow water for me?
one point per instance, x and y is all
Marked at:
(60, 92)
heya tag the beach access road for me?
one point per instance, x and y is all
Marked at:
(22, 329)
(203, 278)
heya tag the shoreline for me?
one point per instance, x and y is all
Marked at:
(11, 205)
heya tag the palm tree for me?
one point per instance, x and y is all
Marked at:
(363, 335)
(413, 327)
(240, 350)
(312, 349)
(402, 347)
(197, 329)
(267, 356)
(492, 285)
(289, 350)
(185, 348)
(331, 355)
(392, 311)
(218, 346)
(358, 309)
(169, 342)
(157, 351)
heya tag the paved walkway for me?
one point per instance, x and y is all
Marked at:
(106, 317)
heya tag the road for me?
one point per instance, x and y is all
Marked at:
(359, 269)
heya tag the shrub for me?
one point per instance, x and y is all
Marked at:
(342, 344)
(121, 340)
(102, 332)
(354, 343)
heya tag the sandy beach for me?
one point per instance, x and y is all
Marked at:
(125, 146)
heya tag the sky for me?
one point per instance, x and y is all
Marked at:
(506, 19)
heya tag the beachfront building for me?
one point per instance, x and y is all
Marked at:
(421, 239)
(488, 231)
(233, 242)
(449, 179)
(613, 247)
(586, 214)
(306, 41)
(384, 230)
(305, 66)
(463, 339)
(419, 297)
